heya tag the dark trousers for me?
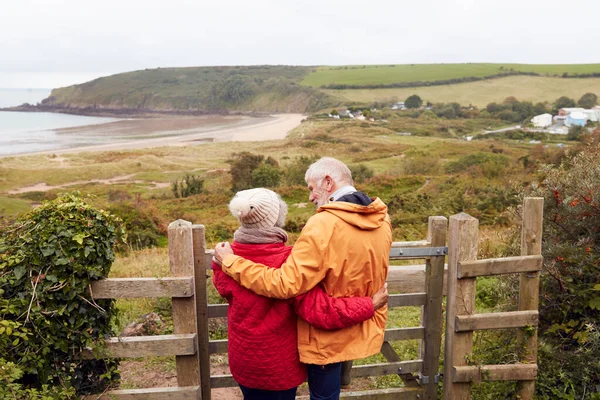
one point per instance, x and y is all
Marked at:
(324, 381)
(259, 394)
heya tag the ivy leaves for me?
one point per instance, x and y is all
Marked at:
(47, 260)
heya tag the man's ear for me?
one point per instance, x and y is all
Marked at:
(328, 183)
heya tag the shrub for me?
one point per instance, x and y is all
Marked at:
(266, 175)
(413, 101)
(361, 172)
(142, 230)
(188, 186)
(47, 260)
(570, 280)
(242, 166)
(588, 100)
(294, 172)
(491, 165)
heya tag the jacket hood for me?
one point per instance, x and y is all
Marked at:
(364, 217)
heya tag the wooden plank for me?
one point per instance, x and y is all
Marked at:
(220, 346)
(208, 255)
(462, 245)
(144, 346)
(409, 279)
(379, 394)
(404, 367)
(120, 288)
(217, 310)
(217, 346)
(499, 266)
(432, 311)
(407, 300)
(166, 393)
(500, 320)
(199, 243)
(529, 283)
(404, 333)
(222, 381)
(390, 354)
(413, 244)
(510, 372)
(181, 262)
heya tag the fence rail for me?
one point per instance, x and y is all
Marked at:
(420, 286)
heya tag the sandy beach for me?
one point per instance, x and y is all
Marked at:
(181, 131)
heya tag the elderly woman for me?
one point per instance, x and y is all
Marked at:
(262, 332)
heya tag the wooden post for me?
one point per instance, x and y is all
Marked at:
(432, 311)
(462, 245)
(181, 261)
(529, 284)
(200, 267)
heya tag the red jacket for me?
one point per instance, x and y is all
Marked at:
(262, 332)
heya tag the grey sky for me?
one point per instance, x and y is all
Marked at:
(52, 43)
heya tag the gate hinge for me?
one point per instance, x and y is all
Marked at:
(424, 379)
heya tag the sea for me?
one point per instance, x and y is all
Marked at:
(30, 132)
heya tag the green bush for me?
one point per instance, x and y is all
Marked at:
(295, 171)
(141, 228)
(242, 166)
(48, 258)
(361, 172)
(188, 186)
(492, 165)
(266, 175)
(570, 281)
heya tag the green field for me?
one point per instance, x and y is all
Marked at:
(388, 74)
(480, 93)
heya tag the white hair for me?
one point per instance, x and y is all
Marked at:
(328, 166)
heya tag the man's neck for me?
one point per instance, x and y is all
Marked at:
(341, 191)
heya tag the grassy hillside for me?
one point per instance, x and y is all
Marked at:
(301, 89)
(389, 74)
(481, 93)
(261, 88)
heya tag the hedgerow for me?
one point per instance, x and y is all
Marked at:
(48, 258)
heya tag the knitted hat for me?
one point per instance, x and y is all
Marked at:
(258, 208)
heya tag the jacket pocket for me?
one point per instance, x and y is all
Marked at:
(303, 332)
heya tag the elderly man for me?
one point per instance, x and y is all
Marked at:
(345, 249)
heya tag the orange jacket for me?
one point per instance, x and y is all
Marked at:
(345, 248)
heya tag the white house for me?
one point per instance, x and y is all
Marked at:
(592, 115)
(542, 120)
(399, 106)
(576, 118)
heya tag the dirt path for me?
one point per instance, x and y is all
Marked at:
(44, 187)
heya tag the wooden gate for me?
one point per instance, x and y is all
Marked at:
(461, 319)
(421, 375)
(419, 286)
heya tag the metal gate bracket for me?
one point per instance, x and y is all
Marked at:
(399, 252)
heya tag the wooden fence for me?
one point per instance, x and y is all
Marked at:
(461, 318)
(187, 288)
(419, 286)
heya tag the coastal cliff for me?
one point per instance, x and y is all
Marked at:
(193, 90)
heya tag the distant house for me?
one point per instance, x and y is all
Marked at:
(568, 110)
(592, 115)
(576, 118)
(542, 120)
(399, 106)
(559, 120)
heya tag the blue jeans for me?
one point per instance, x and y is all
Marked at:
(324, 381)
(260, 394)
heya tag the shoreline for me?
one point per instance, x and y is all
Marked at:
(173, 131)
(128, 112)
